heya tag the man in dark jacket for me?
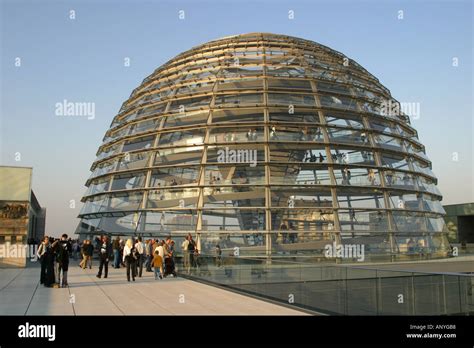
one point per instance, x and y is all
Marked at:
(105, 252)
(63, 249)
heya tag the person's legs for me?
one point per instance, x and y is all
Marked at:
(101, 265)
(106, 270)
(156, 273)
(43, 271)
(90, 261)
(58, 272)
(148, 263)
(134, 269)
(140, 265)
(116, 258)
(128, 265)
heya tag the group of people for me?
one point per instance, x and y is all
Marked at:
(54, 258)
(133, 254)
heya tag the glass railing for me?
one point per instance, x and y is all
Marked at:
(338, 289)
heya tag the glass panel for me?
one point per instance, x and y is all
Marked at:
(151, 110)
(357, 176)
(409, 222)
(294, 197)
(138, 143)
(179, 155)
(346, 120)
(298, 116)
(98, 186)
(109, 151)
(104, 168)
(338, 102)
(342, 135)
(134, 161)
(168, 222)
(332, 88)
(144, 126)
(176, 198)
(196, 87)
(227, 85)
(234, 116)
(234, 100)
(422, 168)
(309, 220)
(297, 174)
(233, 220)
(428, 185)
(125, 201)
(188, 119)
(183, 105)
(174, 176)
(395, 162)
(235, 196)
(348, 156)
(183, 137)
(234, 134)
(297, 153)
(291, 99)
(128, 181)
(227, 174)
(360, 198)
(399, 179)
(363, 220)
(382, 126)
(286, 133)
(289, 84)
(388, 142)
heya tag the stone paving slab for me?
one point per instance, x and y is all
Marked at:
(21, 294)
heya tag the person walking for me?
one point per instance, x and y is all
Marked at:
(64, 247)
(116, 251)
(129, 258)
(140, 250)
(148, 255)
(169, 261)
(105, 251)
(157, 263)
(184, 248)
(86, 254)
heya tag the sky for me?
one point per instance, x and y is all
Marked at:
(420, 50)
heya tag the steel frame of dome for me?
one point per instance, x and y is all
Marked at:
(336, 160)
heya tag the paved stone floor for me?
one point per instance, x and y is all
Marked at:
(21, 294)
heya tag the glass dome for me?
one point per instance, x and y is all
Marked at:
(269, 143)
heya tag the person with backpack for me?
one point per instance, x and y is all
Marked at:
(63, 249)
(105, 252)
(129, 258)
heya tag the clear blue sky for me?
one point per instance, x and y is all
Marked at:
(81, 60)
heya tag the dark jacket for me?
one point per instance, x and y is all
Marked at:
(63, 249)
(105, 250)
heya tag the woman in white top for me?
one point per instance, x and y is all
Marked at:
(129, 259)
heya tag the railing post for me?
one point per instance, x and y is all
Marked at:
(445, 306)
